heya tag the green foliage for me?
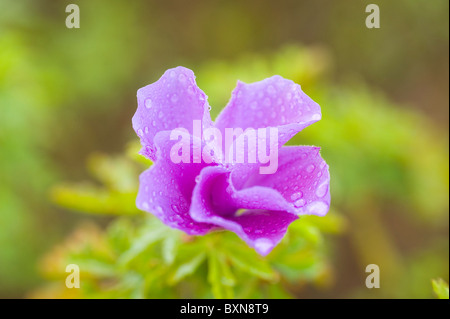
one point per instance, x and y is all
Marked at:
(377, 152)
(137, 256)
(440, 288)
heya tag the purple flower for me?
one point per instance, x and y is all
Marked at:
(207, 193)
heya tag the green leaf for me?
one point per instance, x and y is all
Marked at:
(141, 244)
(248, 260)
(220, 276)
(440, 288)
(94, 200)
(187, 268)
(169, 249)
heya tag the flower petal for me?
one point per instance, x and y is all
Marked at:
(263, 221)
(273, 102)
(174, 101)
(302, 178)
(165, 189)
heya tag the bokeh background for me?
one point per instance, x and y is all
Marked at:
(69, 163)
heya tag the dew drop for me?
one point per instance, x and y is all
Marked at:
(299, 203)
(248, 229)
(148, 103)
(322, 189)
(160, 114)
(271, 90)
(140, 132)
(316, 117)
(145, 205)
(310, 168)
(182, 78)
(296, 196)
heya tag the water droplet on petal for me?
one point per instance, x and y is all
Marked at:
(145, 205)
(148, 103)
(182, 78)
(310, 168)
(140, 132)
(322, 190)
(299, 203)
(296, 196)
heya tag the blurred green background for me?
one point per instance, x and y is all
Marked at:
(68, 162)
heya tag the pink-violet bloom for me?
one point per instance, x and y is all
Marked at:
(203, 195)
